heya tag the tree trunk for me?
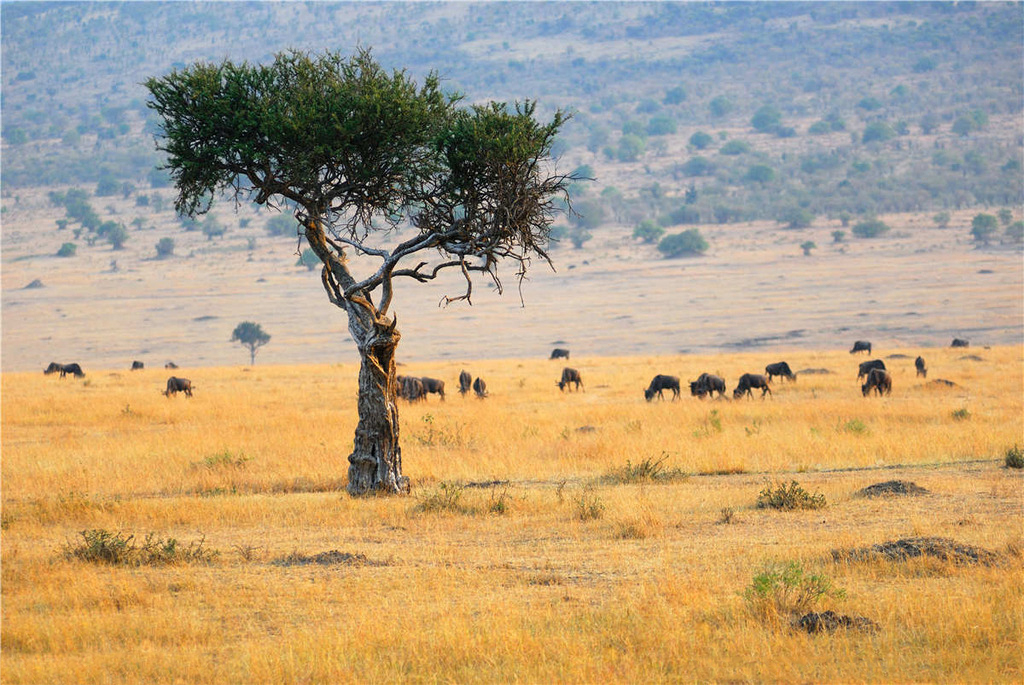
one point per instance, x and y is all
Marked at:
(375, 465)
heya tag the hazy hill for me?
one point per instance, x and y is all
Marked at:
(764, 125)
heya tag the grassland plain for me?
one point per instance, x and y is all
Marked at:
(523, 554)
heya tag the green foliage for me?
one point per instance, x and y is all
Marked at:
(589, 506)
(788, 497)
(212, 228)
(720, 106)
(869, 104)
(282, 224)
(961, 414)
(941, 219)
(796, 217)
(698, 166)
(701, 140)
(117, 235)
(164, 248)
(807, 246)
(838, 236)
(735, 147)
(308, 259)
(759, 173)
(1005, 216)
(631, 148)
(648, 231)
(877, 131)
(675, 96)
(983, 226)
(1015, 232)
(1014, 458)
(683, 214)
(661, 125)
(870, 228)
(67, 250)
(689, 242)
(589, 214)
(103, 547)
(782, 590)
(766, 119)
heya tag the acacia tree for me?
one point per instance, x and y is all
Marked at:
(366, 157)
(252, 336)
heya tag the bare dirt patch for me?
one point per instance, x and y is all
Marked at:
(892, 487)
(943, 549)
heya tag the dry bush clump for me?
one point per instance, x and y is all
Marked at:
(331, 558)
(905, 549)
(789, 497)
(103, 547)
(1015, 458)
(649, 470)
(893, 487)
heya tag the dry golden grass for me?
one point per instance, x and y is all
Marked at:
(556, 573)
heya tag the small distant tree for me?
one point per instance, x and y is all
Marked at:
(870, 228)
(698, 166)
(62, 224)
(164, 248)
(1005, 216)
(250, 335)
(689, 242)
(735, 147)
(760, 173)
(308, 259)
(941, 219)
(963, 126)
(212, 228)
(720, 106)
(877, 130)
(983, 226)
(117, 235)
(796, 217)
(766, 119)
(1015, 232)
(701, 140)
(282, 224)
(67, 250)
(648, 231)
(578, 236)
(661, 125)
(838, 236)
(844, 218)
(631, 147)
(675, 95)
(807, 246)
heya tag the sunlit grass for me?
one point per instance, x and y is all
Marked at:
(542, 541)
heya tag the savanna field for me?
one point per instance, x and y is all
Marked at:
(549, 536)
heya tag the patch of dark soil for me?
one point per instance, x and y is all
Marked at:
(327, 559)
(898, 356)
(830, 621)
(487, 484)
(971, 358)
(813, 372)
(942, 549)
(942, 383)
(892, 487)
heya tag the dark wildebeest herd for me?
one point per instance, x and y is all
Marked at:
(413, 389)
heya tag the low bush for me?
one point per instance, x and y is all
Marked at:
(789, 497)
(650, 470)
(103, 547)
(1015, 458)
(782, 590)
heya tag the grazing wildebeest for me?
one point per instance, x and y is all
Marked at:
(433, 385)
(136, 365)
(880, 380)
(748, 381)
(465, 382)
(865, 367)
(919, 365)
(959, 342)
(64, 369)
(570, 376)
(176, 385)
(170, 365)
(480, 388)
(660, 383)
(861, 346)
(559, 353)
(779, 369)
(410, 388)
(707, 384)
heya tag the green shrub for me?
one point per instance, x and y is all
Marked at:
(689, 242)
(67, 250)
(782, 590)
(789, 497)
(103, 547)
(1015, 458)
(870, 228)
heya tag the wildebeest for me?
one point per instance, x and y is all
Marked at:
(170, 365)
(570, 376)
(861, 346)
(707, 384)
(559, 353)
(410, 388)
(64, 369)
(779, 369)
(176, 385)
(879, 380)
(959, 342)
(919, 365)
(465, 382)
(748, 381)
(660, 383)
(480, 388)
(433, 385)
(865, 367)
(136, 365)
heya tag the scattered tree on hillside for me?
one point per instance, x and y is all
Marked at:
(1005, 216)
(870, 228)
(689, 242)
(648, 231)
(807, 246)
(838, 236)
(362, 153)
(1015, 232)
(250, 335)
(983, 226)
(308, 259)
(941, 219)
(701, 140)
(164, 248)
(766, 119)
(67, 250)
